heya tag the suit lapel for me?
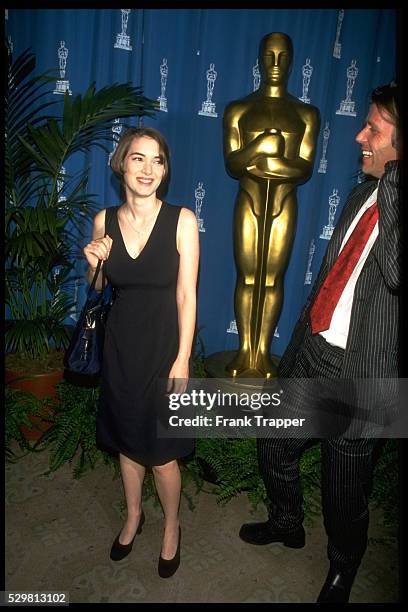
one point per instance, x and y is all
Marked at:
(355, 201)
(350, 210)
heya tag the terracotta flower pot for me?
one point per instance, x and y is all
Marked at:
(40, 385)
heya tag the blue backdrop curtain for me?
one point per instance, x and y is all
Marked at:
(170, 53)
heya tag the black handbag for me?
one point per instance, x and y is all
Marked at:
(84, 355)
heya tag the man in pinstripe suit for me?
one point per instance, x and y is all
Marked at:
(361, 341)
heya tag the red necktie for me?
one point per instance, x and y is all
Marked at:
(329, 293)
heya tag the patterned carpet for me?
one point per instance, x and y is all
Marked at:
(59, 532)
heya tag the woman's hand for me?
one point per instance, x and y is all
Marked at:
(98, 249)
(178, 377)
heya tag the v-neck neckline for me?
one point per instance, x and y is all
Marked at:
(150, 235)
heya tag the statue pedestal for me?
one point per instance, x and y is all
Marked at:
(215, 366)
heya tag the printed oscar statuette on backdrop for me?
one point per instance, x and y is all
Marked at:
(60, 185)
(307, 71)
(334, 201)
(337, 44)
(199, 197)
(123, 39)
(164, 71)
(208, 107)
(62, 84)
(257, 75)
(308, 275)
(347, 105)
(233, 329)
(116, 131)
(323, 161)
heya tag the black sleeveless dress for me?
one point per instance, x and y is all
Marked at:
(141, 344)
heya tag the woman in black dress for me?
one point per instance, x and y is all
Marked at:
(150, 254)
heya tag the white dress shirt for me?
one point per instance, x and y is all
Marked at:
(340, 323)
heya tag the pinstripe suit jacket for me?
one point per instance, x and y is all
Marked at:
(373, 338)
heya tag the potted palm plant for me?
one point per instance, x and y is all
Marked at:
(43, 225)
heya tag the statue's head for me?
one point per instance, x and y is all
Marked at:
(275, 58)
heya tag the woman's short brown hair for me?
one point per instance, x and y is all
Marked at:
(118, 158)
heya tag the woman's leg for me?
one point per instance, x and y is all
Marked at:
(132, 477)
(168, 484)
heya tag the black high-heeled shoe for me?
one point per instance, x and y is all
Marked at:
(168, 567)
(120, 551)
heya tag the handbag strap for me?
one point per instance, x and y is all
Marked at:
(108, 220)
(95, 276)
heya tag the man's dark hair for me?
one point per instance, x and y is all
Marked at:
(387, 98)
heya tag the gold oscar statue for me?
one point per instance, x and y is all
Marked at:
(269, 145)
